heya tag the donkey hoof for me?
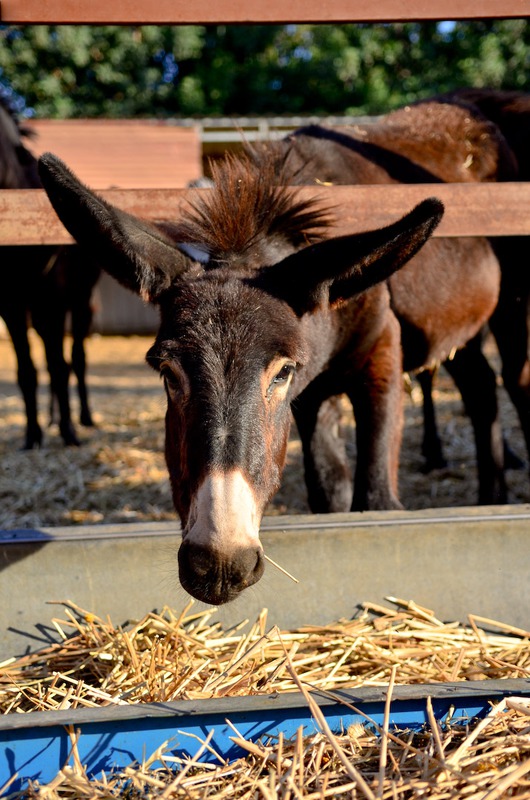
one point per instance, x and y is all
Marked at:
(32, 440)
(31, 444)
(69, 437)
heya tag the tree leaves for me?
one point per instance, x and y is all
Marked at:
(161, 71)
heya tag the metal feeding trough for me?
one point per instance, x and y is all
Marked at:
(36, 746)
(456, 561)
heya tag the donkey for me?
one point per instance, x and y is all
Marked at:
(46, 283)
(260, 309)
(440, 323)
(510, 112)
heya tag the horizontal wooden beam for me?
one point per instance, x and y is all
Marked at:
(26, 216)
(135, 12)
(485, 209)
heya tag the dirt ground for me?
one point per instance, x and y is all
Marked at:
(119, 475)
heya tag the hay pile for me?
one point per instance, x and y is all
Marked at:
(186, 656)
(168, 656)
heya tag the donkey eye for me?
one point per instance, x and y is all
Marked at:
(284, 374)
(281, 378)
(172, 380)
(169, 377)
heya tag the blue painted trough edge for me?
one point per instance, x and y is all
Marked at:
(35, 746)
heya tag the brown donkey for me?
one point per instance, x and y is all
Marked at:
(258, 310)
(510, 112)
(444, 295)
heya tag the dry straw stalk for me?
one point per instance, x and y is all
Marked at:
(186, 655)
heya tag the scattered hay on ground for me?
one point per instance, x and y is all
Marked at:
(119, 474)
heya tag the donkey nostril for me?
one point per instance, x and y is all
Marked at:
(198, 561)
(201, 563)
(259, 566)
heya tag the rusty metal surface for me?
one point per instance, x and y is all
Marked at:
(242, 11)
(488, 209)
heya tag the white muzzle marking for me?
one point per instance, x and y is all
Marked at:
(224, 515)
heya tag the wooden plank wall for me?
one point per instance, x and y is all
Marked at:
(472, 209)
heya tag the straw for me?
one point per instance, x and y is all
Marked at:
(275, 564)
(187, 655)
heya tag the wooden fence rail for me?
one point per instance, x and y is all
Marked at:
(471, 209)
(485, 209)
(135, 12)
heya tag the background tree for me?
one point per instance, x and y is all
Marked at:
(112, 71)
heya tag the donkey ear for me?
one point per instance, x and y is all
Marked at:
(337, 269)
(138, 254)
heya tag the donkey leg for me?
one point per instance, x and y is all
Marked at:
(51, 333)
(15, 320)
(81, 320)
(431, 447)
(59, 378)
(377, 399)
(477, 384)
(80, 274)
(328, 475)
(509, 326)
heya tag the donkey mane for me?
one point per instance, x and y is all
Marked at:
(251, 204)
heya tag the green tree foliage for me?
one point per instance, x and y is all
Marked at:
(112, 71)
(100, 71)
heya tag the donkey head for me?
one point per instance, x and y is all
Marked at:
(237, 280)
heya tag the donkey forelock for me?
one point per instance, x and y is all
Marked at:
(249, 210)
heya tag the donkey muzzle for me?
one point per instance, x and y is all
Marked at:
(217, 578)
